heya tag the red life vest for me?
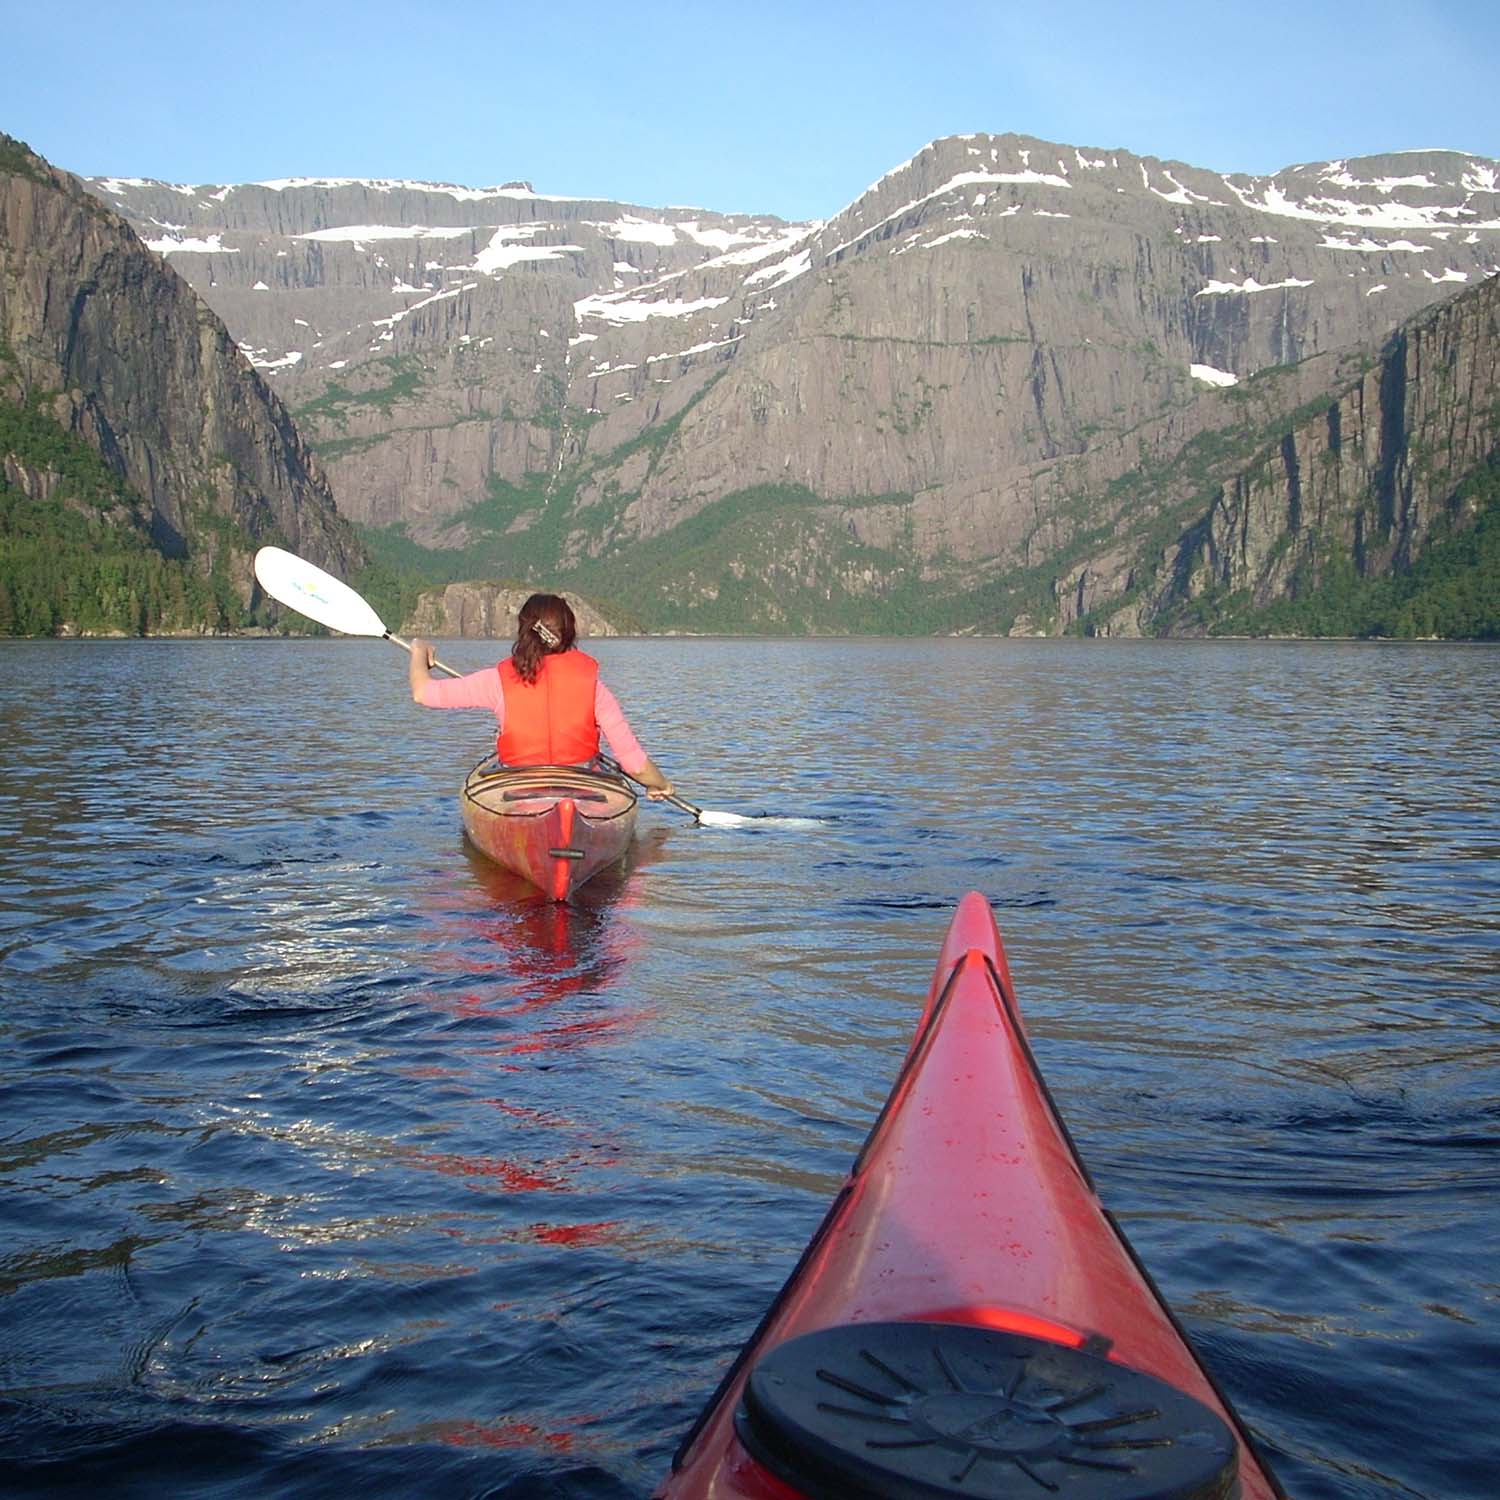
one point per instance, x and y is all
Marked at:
(550, 722)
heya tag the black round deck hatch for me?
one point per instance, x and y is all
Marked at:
(929, 1411)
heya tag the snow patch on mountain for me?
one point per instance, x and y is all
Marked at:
(654, 359)
(615, 308)
(212, 244)
(362, 233)
(1271, 198)
(782, 272)
(958, 180)
(781, 244)
(1210, 376)
(262, 360)
(1179, 193)
(1366, 246)
(502, 252)
(640, 231)
(1340, 176)
(115, 186)
(406, 312)
(403, 185)
(1249, 284)
(953, 234)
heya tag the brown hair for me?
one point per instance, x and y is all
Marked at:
(544, 627)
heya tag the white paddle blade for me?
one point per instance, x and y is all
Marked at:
(711, 819)
(291, 581)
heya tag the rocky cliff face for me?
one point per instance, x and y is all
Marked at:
(120, 351)
(488, 611)
(423, 332)
(997, 307)
(1367, 474)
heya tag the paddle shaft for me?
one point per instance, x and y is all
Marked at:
(696, 813)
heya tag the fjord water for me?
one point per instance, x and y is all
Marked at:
(333, 1162)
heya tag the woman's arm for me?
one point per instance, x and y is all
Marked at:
(419, 667)
(657, 786)
(479, 689)
(627, 749)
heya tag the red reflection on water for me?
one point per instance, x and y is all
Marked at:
(535, 976)
(530, 952)
(482, 1005)
(530, 1115)
(508, 1176)
(576, 1236)
(575, 1034)
(598, 1233)
(509, 1432)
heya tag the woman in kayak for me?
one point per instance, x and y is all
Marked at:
(546, 696)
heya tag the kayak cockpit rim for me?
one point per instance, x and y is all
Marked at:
(548, 784)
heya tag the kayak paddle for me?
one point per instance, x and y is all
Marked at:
(300, 585)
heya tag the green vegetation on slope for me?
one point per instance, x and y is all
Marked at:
(84, 560)
(1147, 510)
(774, 559)
(390, 380)
(519, 532)
(1451, 591)
(392, 592)
(490, 554)
(17, 159)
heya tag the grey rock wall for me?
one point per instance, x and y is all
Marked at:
(488, 611)
(122, 352)
(1366, 475)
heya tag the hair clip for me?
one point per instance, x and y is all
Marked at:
(550, 637)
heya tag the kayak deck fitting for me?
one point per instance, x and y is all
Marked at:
(969, 1320)
(555, 826)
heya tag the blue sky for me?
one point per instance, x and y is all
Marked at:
(790, 107)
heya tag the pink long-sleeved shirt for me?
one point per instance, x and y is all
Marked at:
(483, 690)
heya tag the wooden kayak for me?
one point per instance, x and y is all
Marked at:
(556, 826)
(969, 1320)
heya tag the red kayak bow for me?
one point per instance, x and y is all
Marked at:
(969, 1320)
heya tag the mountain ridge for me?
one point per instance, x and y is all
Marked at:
(930, 411)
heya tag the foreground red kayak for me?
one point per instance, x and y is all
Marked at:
(968, 1319)
(555, 826)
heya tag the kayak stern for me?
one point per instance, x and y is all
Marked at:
(556, 826)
